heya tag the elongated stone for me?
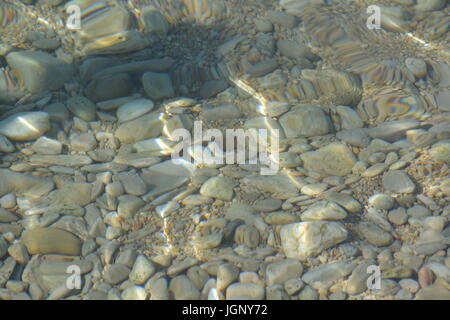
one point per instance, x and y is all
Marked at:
(51, 241)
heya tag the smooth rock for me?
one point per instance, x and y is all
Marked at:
(183, 288)
(134, 293)
(45, 145)
(39, 70)
(374, 234)
(245, 291)
(149, 126)
(306, 239)
(157, 85)
(334, 159)
(218, 187)
(51, 241)
(82, 107)
(398, 181)
(116, 273)
(306, 121)
(281, 271)
(25, 126)
(23, 184)
(328, 273)
(324, 210)
(134, 109)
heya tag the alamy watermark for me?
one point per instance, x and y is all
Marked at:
(374, 20)
(242, 146)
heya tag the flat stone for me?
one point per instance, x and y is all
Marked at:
(67, 160)
(150, 126)
(154, 21)
(398, 216)
(393, 130)
(6, 216)
(398, 181)
(83, 141)
(356, 137)
(292, 49)
(134, 109)
(19, 252)
(142, 270)
(39, 70)
(262, 68)
(324, 210)
(441, 151)
(6, 145)
(211, 88)
(280, 186)
(307, 121)
(281, 271)
(51, 241)
(376, 145)
(419, 212)
(25, 126)
(334, 159)
(349, 118)
(183, 288)
(282, 18)
(328, 273)
(223, 111)
(74, 193)
(268, 205)
(307, 239)
(374, 234)
(433, 292)
(226, 274)
(218, 187)
(245, 291)
(132, 183)
(381, 201)
(136, 160)
(134, 293)
(82, 107)
(23, 184)
(129, 205)
(45, 145)
(116, 273)
(157, 85)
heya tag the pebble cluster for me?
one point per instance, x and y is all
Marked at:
(87, 129)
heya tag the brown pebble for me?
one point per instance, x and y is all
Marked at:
(425, 277)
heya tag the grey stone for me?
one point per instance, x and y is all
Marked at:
(381, 201)
(306, 121)
(134, 293)
(306, 239)
(324, 210)
(398, 181)
(374, 234)
(154, 21)
(282, 18)
(183, 288)
(334, 159)
(245, 291)
(25, 126)
(328, 273)
(226, 274)
(40, 71)
(158, 85)
(281, 271)
(134, 109)
(149, 126)
(116, 273)
(218, 187)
